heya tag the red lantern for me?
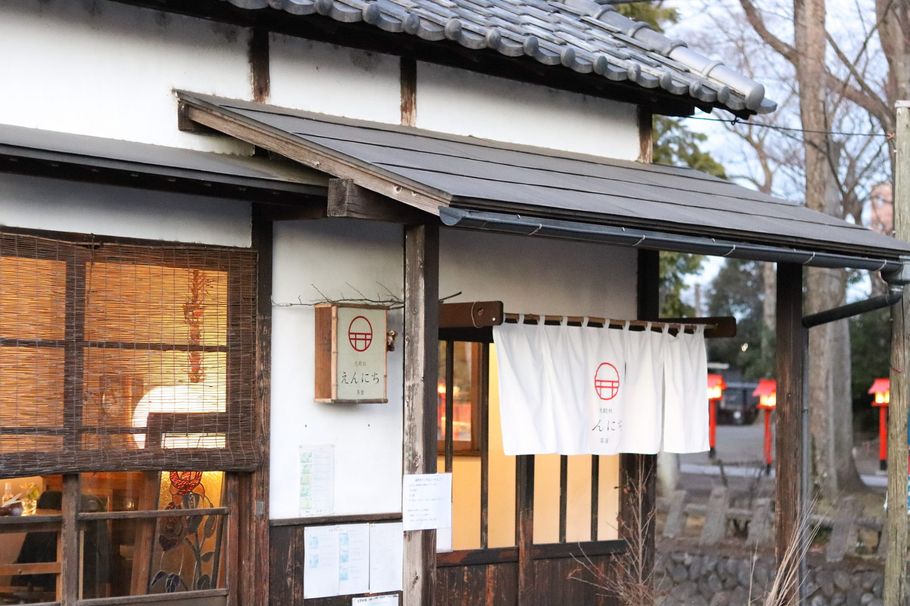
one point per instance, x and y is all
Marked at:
(881, 389)
(716, 387)
(767, 401)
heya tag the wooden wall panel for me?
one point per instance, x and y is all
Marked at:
(286, 558)
(552, 583)
(480, 585)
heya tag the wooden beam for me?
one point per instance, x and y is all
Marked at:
(254, 489)
(408, 67)
(350, 201)
(476, 314)
(791, 381)
(645, 135)
(260, 74)
(483, 443)
(421, 334)
(895, 589)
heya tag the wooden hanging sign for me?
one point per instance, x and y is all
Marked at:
(351, 357)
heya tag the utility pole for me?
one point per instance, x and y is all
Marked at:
(895, 590)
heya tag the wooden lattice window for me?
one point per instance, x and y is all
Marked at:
(125, 357)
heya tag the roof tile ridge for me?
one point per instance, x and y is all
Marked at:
(753, 92)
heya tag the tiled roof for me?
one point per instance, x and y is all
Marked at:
(581, 35)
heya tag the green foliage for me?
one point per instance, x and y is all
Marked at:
(674, 267)
(676, 144)
(738, 291)
(654, 14)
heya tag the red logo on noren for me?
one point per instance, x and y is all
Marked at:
(360, 333)
(606, 381)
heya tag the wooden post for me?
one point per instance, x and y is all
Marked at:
(895, 590)
(638, 473)
(70, 561)
(254, 488)
(524, 529)
(421, 335)
(791, 380)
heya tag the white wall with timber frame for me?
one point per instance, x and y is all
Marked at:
(340, 260)
(336, 80)
(456, 101)
(107, 69)
(42, 203)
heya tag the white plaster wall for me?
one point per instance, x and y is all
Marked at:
(538, 275)
(466, 103)
(71, 206)
(330, 79)
(106, 69)
(342, 259)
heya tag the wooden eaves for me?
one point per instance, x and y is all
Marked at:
(195, 110)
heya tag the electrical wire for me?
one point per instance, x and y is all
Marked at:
(735, 121)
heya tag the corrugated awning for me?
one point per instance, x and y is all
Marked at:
(482, 184)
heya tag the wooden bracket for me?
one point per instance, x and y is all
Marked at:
(351, 201)
(186, 124)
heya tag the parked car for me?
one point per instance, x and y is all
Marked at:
(738, 405)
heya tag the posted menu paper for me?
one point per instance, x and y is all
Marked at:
(386, 553)
(376, 600)
(337, 560)
(317, 479)
(426, 501)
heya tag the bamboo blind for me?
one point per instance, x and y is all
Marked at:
(117, 357)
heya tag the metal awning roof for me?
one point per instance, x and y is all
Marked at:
(490, 185)
(19, 144)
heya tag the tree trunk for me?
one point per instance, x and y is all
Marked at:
(769, 319)
(830, 418)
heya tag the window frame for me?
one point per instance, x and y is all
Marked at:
(238, 264)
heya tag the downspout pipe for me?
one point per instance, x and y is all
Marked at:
(851, 309)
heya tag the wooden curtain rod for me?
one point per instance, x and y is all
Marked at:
(472, 321)
(714, 326)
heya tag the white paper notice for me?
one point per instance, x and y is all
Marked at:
(353, 558)
(426, 501)
(336, 560)
(376, 600)
(386, 552)
(320, 567)
(443, 540)
(317, 479)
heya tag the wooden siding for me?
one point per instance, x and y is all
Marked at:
(480, 584)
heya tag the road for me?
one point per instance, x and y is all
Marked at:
(740, 449)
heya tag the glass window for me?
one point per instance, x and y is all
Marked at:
(466, 371)
(171, 540)
(30, 519)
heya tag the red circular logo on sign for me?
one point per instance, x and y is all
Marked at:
(360, 333)
(606, 381)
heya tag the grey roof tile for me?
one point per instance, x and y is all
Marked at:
(585, 36)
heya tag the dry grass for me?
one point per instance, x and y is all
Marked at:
(631, 577)
(786, 579)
